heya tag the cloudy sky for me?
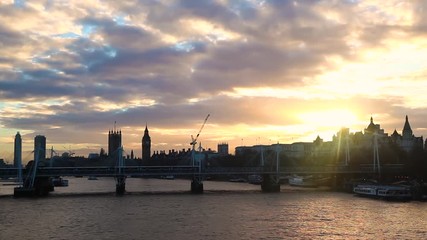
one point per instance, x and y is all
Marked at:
(266, 71)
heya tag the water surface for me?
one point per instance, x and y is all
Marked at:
(164, 209)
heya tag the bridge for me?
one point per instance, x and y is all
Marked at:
(40, 176)
(155, 171)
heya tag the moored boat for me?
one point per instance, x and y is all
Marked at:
(395, 192)
(237, 180)
(59, 182)
(255, 179)
(302, 181)
(365, 190)
(389, 192)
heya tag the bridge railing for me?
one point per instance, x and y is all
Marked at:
(285, 170)
(232, 170)
(111, 171)
(160, 170)
(9, 172)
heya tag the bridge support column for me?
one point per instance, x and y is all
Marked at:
(42, 186)
(196, 185)
(19, 192)
(120, 185)
(269, 184)
(341, 182)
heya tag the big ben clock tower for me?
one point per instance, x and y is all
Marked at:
(146, 145)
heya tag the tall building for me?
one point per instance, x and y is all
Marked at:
(40, 147)
(223, 148)
(114, 142)
(17, 157)
(407, 131)
(407, 141)
(146, 145)
(374, 129)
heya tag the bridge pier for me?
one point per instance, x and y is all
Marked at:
(42, 186)
(19, 192)
(341, 182)
(120, 185)
(269, 184)
(196, 185)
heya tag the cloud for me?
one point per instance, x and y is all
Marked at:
(72, 68)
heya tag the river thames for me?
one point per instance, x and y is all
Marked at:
(164, 209)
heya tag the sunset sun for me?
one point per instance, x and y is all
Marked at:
(329, 118)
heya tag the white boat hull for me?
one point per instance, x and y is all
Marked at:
(302, 182)
(390, 192)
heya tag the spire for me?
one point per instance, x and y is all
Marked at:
(372, 128)
(407, 128)
(146, 134)
(146, 145)
(395, 134)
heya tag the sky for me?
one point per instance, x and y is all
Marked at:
(265, 71)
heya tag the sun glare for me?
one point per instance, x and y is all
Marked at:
(329, 118)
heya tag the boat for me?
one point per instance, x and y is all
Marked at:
(237, 180)
(59, 182)
(395, 192)
(303, 181)
(366, 190)
(255, 179)
(170, 177)
(167, 177)
(92, 178)
(388, 192)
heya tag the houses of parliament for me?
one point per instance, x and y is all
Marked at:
(115, 142)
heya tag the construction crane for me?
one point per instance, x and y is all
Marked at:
(69, 153)
(194, 140)
(51, 156)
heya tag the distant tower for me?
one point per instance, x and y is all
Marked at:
(408, 140)
(407, 131)
(223, 148)
(114, 142)
(40, 147)
(146, 145)
(17, 158)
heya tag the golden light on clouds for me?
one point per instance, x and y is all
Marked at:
(285, 71)
(291, 92)
(105, 106)
(329, 118)
(387, 12)
(213, 32)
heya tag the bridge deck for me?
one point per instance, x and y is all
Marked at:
(106, 171)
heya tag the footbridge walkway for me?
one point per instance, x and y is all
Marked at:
(37, 179)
